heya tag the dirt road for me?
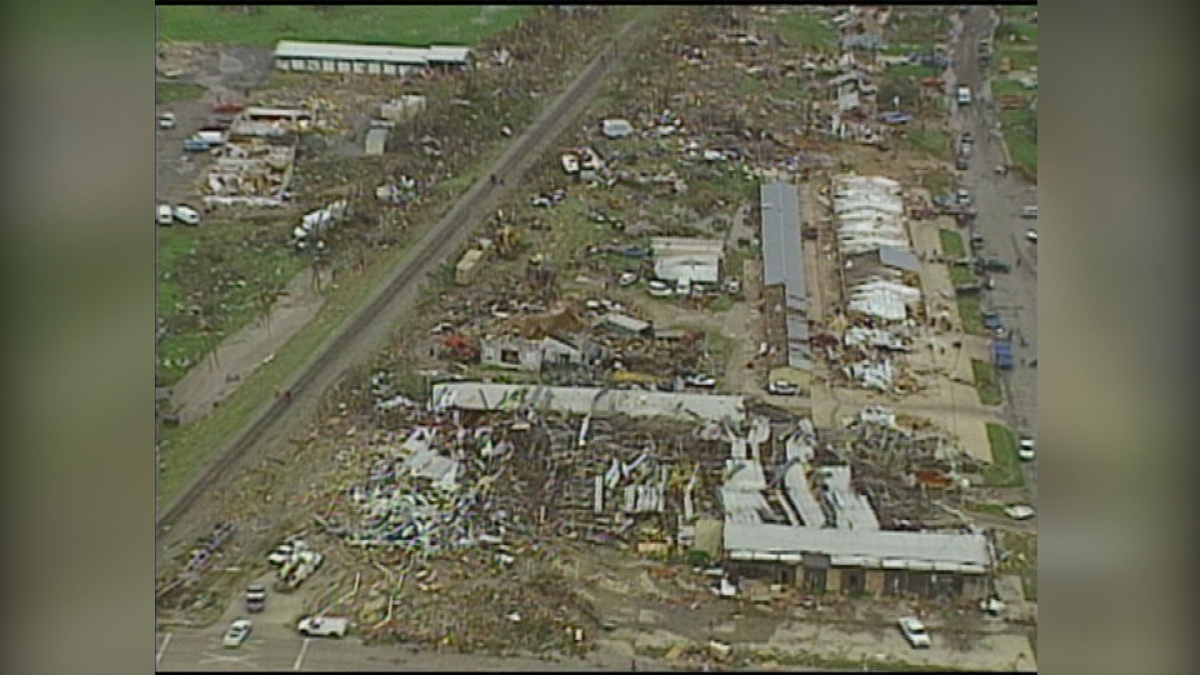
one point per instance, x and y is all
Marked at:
(999, 200)
(367, 329)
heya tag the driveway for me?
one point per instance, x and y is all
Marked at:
(999, 200)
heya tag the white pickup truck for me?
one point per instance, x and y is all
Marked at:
(323, 626)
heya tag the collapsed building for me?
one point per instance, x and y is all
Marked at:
(877, 261)
(821, 534)
(516, 353)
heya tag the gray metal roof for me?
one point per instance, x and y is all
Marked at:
(899, 258)
(938, 551)
(783, 253)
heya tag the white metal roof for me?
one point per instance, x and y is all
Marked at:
(584, 400)
(666, 246)
(409, 56)
(900, 550)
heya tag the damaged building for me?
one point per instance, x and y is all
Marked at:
(529, 355)
(816, 531)
(784, 284)
(878, 269)
(686, 260)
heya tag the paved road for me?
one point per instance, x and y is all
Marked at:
(999, 200)
(368, 328)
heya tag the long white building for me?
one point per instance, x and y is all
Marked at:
(333, 57)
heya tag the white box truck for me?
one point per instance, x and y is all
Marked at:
(323, 626)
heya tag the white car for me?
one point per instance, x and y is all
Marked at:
(1029, 212)
(914, 631)
(627, 279)
(1026, 451)
(166, 121)
(1031, 235)
(187, 215)
(704, 381)
(164, 215)
(1019, 512)
(658, 289)
(781, 388)
(238, 632)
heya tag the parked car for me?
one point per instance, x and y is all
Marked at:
(977, 240)
(964, 94)
(166, 121)
(658, 289)
(1029, 212)
(1031, 235)
(1027, 451)
(164, 215)
(1019, 512)
(961, 163)
(256, 598)
(186, 215)
(962, 197)
(781, 388)
(700, 380)
(196, 145)
(993, 265)
(238, 632)
(914, 631)
(991, 321)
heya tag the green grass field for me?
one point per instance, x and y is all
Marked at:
(169, 92)
(246, 259)
(986, 383)
(933, 141)
(952, 244)
(1020, 132)
(938, 182)
(1005, 469)
(264, 25)
(971, 314)
(803, 29)
(1019, 126)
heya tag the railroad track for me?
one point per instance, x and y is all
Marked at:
(431, 249)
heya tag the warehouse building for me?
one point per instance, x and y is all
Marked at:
(931, 565)
(331, 57)
(684, 259)
(783, 266)
(821, 534)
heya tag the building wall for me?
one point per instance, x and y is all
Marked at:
(529, 357)
(833, 580)
(874, 582)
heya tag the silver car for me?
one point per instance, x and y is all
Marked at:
(238, 632)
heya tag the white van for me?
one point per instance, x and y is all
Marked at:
(323, 626)
(187, 215)
(164, 215)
